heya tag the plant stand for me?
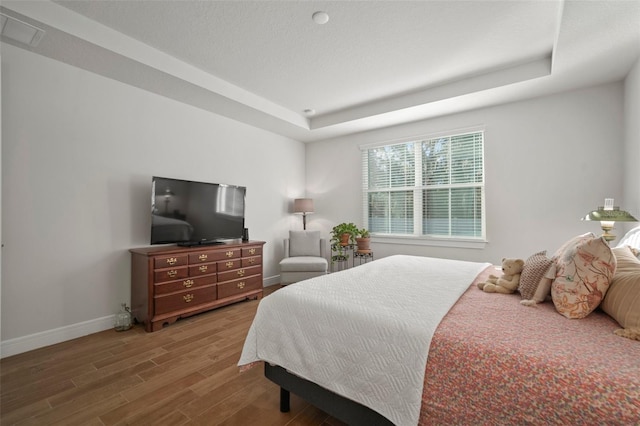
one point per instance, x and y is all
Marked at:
(340, 261)
(363, 256)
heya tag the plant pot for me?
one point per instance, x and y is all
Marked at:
(344, 239)
(364, 244)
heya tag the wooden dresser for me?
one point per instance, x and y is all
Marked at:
(171, 282)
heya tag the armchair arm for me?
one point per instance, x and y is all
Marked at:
(286, 247)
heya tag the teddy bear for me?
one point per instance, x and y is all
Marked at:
(508, 282)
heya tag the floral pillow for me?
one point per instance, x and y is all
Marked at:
(574, 241)
(584, 269)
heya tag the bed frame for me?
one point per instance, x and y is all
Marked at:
(343, 409)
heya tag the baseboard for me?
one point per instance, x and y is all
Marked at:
(51, 337)
(267, 281)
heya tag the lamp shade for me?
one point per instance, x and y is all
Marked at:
(303, 205)
(610, 213)
(615, 215)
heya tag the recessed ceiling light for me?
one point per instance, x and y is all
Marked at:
(309, 112)
(320, 18)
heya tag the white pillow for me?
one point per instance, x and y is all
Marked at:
(304, 243)
(622, 301)
(631, 238)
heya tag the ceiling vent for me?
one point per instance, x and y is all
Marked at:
(20, 31)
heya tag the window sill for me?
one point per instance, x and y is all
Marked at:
(471, 243)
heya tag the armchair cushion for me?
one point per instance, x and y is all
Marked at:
(304, 243)
(304, 264)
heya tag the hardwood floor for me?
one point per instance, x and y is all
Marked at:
(184, 374)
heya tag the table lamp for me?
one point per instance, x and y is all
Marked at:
(303, 206)
(608, 215)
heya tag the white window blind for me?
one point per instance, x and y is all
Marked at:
(429, 187)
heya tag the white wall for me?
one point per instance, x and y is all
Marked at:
(78, 154)
(78, 151)
(548, 162)
(632, 143)
(1, 240)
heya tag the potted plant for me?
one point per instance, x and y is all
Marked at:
(342, 235)
(363, 239)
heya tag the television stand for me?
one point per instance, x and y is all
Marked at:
(173, 282)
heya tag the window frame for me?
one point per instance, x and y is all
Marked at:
(417, 238)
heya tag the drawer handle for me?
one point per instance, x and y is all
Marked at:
(252, 260)
(172, 261)
(241, 272)
(188, 297)
(187, 283)
(203, 268)
(229, 264)
(172, 273)
(229, 253)
(241, 284)
(252, 251)
(202, 257)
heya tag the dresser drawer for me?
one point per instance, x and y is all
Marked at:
(169, 283)
(235, 287)
(184, 284)
(170, 274)
(169, 261)
(184, 300)
(251, 251)
(214, 255)
(227, 265)
(238, 273)
(203, 269)
(201, 257)
(251, 261)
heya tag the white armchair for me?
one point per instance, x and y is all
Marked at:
(305, 256)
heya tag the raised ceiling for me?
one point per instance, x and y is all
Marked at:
(373, 64)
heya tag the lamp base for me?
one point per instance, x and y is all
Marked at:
(607, 235)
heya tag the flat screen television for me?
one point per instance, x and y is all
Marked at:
(191, 213)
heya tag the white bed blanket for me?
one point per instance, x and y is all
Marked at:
(363, 333)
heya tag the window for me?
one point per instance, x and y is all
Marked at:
(431, 187)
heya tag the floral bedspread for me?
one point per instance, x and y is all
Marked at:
(493, 361)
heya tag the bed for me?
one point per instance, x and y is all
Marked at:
(473, 358)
